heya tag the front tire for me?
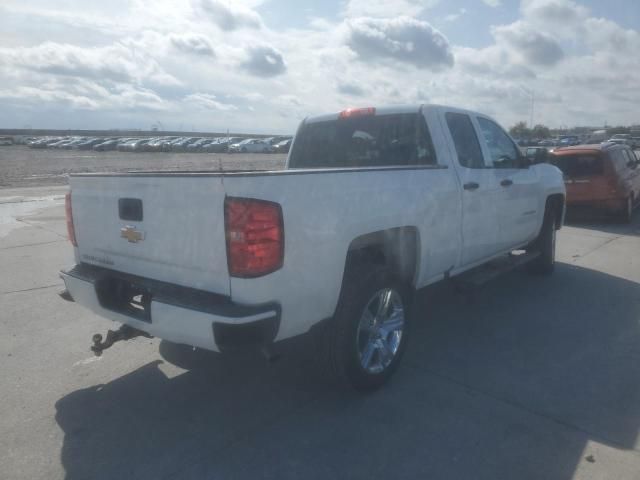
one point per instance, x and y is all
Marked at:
(362, 345)
(545, 244)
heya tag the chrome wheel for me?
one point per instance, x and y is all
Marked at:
(380, 330)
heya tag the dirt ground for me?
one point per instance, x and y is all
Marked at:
(21, 166)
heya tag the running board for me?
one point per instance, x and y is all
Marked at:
(479, 276)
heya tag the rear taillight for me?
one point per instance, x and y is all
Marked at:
(255, 236)
(71, 231)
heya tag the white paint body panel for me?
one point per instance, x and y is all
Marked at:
(323, 211)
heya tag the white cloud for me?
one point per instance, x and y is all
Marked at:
(229, 15)
(452, 17)
(386, 8)
(208, 101)
(192, 43)
(529, 45)
(177, 62)
(402, 39)
(116, 62)
(554, 12)
(493, 3)
(87, 95)
(350, 89)
(263, 61)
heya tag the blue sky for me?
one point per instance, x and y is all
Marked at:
(263, 65)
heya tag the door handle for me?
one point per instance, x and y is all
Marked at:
(471, 186)
(506, 182)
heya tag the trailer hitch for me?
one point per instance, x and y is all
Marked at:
(125, 332)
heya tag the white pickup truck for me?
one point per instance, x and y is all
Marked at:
(374, 204)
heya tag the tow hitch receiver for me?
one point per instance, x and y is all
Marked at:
(125, 332)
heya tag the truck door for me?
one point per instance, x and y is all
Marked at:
(479, 187)
(518, 200)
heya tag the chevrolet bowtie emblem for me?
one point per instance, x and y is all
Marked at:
(131, 234)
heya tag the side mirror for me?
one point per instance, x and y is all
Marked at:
(524, 162)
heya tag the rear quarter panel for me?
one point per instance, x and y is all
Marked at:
(324, 212)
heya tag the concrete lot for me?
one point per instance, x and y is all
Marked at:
(530, 378)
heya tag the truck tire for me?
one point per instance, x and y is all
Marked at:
(362, 345)
(545, 244)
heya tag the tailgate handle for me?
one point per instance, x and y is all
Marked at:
(130, 209)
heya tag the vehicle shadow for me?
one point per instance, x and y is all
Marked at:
(605, 224)
(510, 383)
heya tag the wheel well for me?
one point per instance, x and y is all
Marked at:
(555, 202)
(396, 248)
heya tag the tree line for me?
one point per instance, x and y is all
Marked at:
(539, 131)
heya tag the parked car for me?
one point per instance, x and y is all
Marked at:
(5, 141)
(72, 144)
(127, 145)
(537, 154)
(59, 142)
(374, 204)
(222, 144)
(622, 139)
(283, 146)
(198, 145)
(182, 145)
(568, 141)
(251, 145)
(43, 142)
(89, 143)
(107, 145)
(160, 144)
(603, 178)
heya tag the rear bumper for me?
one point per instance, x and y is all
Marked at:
(172, 312)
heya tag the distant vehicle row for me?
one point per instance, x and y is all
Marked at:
(573, 140)
(167, 144)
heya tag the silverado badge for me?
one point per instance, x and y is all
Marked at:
(131, 234)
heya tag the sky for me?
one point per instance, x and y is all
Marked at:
(263, 65)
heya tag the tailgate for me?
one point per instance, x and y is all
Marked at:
(179, 239)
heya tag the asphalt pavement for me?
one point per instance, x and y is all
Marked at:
(528, 378)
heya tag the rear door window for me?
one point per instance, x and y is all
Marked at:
(401, 139)
(465, 140)
(579, 165)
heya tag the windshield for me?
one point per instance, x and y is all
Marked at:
(363, 141)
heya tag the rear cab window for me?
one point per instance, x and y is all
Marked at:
(579, 164)
(370, 140)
